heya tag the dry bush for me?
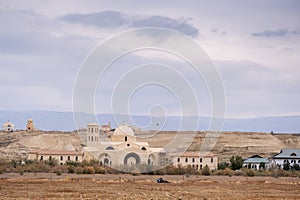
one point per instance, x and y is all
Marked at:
(99, 170)
(79, 170)
(71, 169)
(250, 172)
(228, 172)
(88, 170)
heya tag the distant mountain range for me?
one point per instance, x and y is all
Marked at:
(64, 121)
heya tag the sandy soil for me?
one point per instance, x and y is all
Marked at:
(71, 186)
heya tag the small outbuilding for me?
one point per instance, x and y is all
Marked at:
(8, 126)
(257, 162)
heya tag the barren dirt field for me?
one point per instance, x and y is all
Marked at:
(71, 186)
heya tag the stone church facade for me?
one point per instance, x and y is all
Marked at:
(120, 148)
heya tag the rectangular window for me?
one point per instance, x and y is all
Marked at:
(50, 157)
(69, 158)
(76, 158)
(42, 157)
(178, 159)
(200, 159)
(61, 158)
(186, 160)
(212, 160)
(193, 159)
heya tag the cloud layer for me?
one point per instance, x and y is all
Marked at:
(114, 19)
(42, 46)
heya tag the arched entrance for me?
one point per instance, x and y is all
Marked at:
(132, 159)
(151, 159)
(105, 159)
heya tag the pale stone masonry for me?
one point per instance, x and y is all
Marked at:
(195, 159)
(61, 156)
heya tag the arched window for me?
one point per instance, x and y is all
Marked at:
(212, 160)
(200, 159)
(125, 138)
(143, 148)
(109, 148)
(186, 160)
(193, 160)
(61, 158)
(293, 154)
(178, 159)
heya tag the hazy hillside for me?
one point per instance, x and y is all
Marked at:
(63, 121)
(244, 144)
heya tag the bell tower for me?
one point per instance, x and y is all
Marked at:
(92, 134)
(30, 125)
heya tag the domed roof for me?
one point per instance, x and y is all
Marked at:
(124, 130)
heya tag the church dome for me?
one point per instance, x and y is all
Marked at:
(124, 130)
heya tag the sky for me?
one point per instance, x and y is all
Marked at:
(255, 46)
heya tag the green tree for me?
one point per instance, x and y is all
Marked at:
(206, 171)
(223, 165)
(236, 162)
(296, 167)
(262, 166)
(286, 165)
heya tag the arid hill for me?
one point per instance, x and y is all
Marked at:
(244, 144)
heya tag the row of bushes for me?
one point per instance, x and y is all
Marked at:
(250, 172)
(93, 167)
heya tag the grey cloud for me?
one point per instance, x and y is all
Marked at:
(295, 32)
(276, 33)
(271, 33)
(113, 19)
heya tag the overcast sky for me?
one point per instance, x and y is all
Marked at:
(255, 45)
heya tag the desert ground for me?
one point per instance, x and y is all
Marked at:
(72, 186)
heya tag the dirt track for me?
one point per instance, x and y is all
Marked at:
(50, 186)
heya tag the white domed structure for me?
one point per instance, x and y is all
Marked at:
(124, 130)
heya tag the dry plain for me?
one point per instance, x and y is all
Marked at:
(72, 186)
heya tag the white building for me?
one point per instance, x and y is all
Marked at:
(60, 155)
(196, 159)
(122, 148)
(8, 126)
(256, 162)
(291, 156)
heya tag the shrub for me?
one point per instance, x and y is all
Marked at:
(250, 172)
(88, 170)
(72, 163)
(21, 172)
(223, 165)
(52, 162)
(239, 172)
(71, 169)
(227, 172)
(99, 170)
(206, 171)
(94, 162)
(79, 170)
(58, 172)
